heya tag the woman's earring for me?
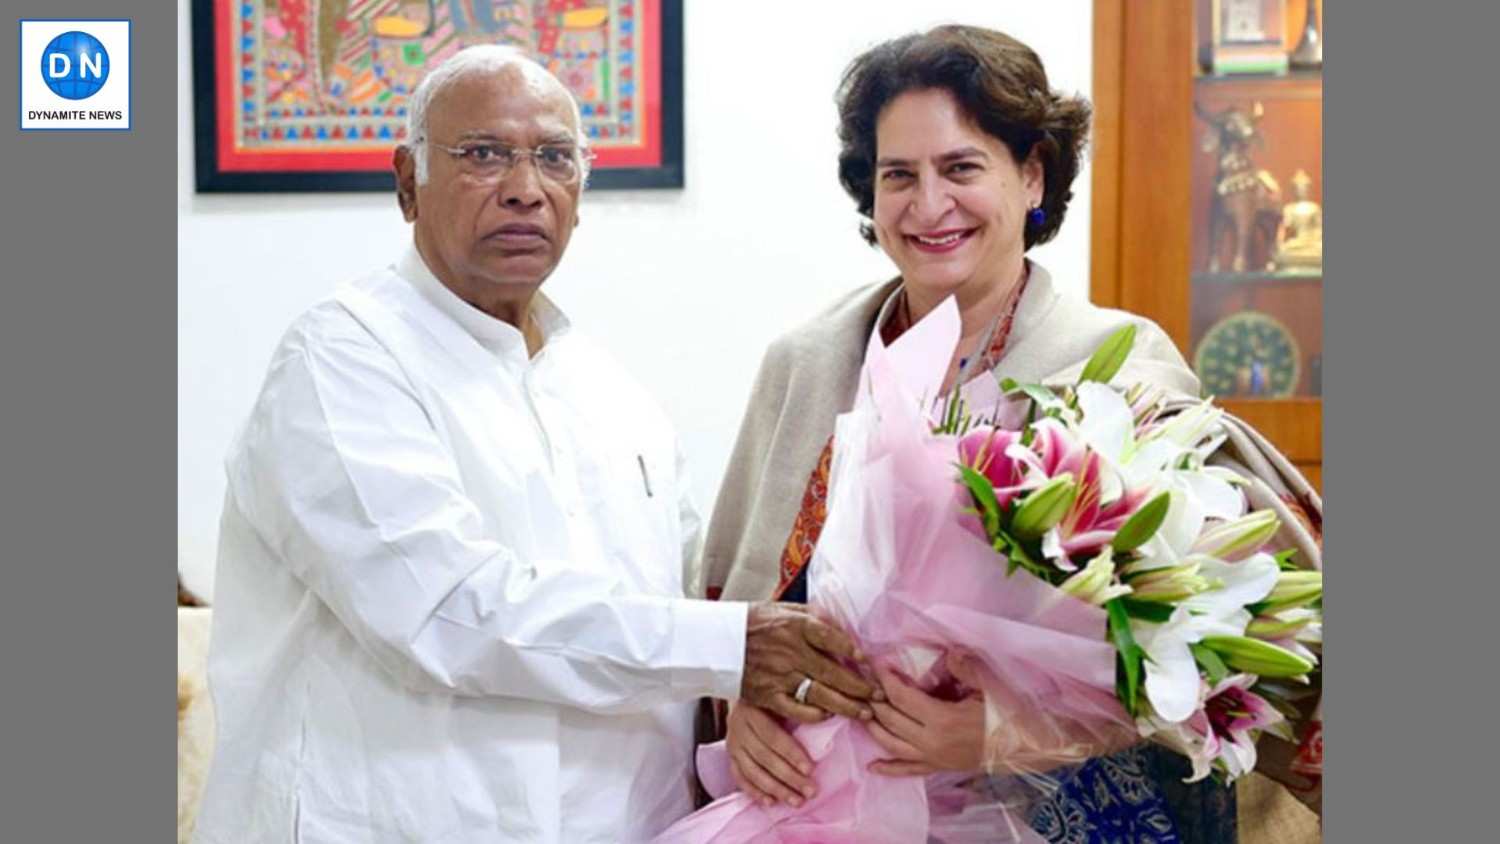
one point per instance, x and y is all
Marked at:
(1036, 216)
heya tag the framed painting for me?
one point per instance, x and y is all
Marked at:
(310, 95)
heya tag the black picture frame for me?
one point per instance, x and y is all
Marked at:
(210, 178)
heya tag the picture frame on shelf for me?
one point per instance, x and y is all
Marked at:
(1246, 37)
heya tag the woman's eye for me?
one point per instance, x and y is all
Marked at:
(964, 167)
(895, 175)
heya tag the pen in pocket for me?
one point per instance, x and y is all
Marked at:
(645, 476)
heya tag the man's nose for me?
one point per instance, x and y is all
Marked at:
(522, 186)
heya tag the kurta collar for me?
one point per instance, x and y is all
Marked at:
(496, 336)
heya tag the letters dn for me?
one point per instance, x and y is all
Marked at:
(75, 65)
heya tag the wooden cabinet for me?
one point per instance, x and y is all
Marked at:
(1169, 156)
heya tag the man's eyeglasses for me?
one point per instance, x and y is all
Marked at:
(494, 160)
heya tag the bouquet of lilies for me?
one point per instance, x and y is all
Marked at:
(1097, 492)
(1146, 604)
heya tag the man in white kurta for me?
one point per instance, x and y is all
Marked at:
(452, 601)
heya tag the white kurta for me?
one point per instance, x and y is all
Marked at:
(450, 596)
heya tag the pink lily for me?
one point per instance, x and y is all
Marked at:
(985, 449)
(1222, 731)
(1237, 715)
(1089, 524)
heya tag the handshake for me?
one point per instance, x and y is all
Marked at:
(803, 668)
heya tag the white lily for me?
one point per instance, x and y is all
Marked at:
(1172, 678)
(1155, 460)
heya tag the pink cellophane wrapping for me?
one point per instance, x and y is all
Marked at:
(896, 566)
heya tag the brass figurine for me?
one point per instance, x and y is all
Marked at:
(1299, 240)
(1246, 200)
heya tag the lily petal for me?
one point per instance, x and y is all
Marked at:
(1245, 582)
(1108, 426)
(1172, 681)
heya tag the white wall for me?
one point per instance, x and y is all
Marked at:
(685, 286)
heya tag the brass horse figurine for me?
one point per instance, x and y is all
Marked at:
(1246, 200)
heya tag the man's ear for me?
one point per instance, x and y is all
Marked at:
(405, 166)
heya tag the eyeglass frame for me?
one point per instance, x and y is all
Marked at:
(585, 156)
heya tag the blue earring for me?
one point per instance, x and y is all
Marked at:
(1036, 217)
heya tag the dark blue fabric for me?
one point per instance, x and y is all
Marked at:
(1108, 800)
(796, 591)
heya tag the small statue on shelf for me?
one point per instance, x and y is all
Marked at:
(1299, 240)
(1246, 199)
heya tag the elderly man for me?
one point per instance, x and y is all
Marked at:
(457, 547)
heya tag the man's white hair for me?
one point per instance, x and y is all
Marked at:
(480, 58)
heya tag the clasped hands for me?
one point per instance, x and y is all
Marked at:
(785, 644)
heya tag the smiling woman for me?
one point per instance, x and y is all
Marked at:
(961, 157)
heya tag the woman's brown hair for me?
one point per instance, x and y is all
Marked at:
(996, 80)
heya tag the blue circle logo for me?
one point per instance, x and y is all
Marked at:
(75, 65)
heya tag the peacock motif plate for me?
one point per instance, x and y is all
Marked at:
(1248, 354)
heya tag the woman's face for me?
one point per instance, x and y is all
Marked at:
(950, 201)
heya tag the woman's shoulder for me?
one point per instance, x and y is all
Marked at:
(1081, 326)
(843, 323)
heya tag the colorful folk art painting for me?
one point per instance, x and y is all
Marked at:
(321, 86)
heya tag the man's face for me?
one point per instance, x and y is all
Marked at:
(493, 239)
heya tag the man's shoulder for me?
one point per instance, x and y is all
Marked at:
(330, 323)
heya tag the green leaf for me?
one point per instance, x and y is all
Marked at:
(1284, 560)
(1017, 556)
(1109, 357)
(1143, 524)
(984, 495)
(1151, 611)
(1039, 394)
(1210, 662)
(1131, 655)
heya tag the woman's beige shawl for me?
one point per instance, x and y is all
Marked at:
(807, 378)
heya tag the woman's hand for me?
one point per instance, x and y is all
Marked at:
(924, 734)
(767, 762)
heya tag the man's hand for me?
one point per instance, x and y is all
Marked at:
(785, 644)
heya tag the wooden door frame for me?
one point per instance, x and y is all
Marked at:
(1143, 68)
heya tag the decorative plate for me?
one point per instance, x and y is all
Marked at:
(1249, 353)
